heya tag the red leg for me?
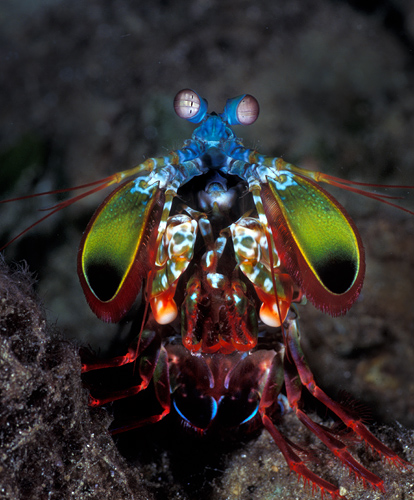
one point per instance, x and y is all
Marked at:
(298, 373)
(338, 448)
(297, 465)
(142, 357)
(162, 391)
(141, 364)
(92, 362)
(272, 388)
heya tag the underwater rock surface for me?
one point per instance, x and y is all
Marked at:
(52, 446)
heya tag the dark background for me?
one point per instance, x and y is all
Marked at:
(86, 89)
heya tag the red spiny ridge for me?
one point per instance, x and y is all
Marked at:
(339, 450)
(297, 465)
(317, 482)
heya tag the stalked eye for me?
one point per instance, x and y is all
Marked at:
(190, 106)
(247, 110)
(241, 110)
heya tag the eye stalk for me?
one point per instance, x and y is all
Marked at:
(190, 106)
(241, 110)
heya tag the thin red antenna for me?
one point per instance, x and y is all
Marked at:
(57, 191)
(347, 185)
(101, 184)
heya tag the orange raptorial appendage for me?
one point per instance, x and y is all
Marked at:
(164, 308)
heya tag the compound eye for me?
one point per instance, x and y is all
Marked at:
(241, 110)
(247, 110)
(190, 106)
